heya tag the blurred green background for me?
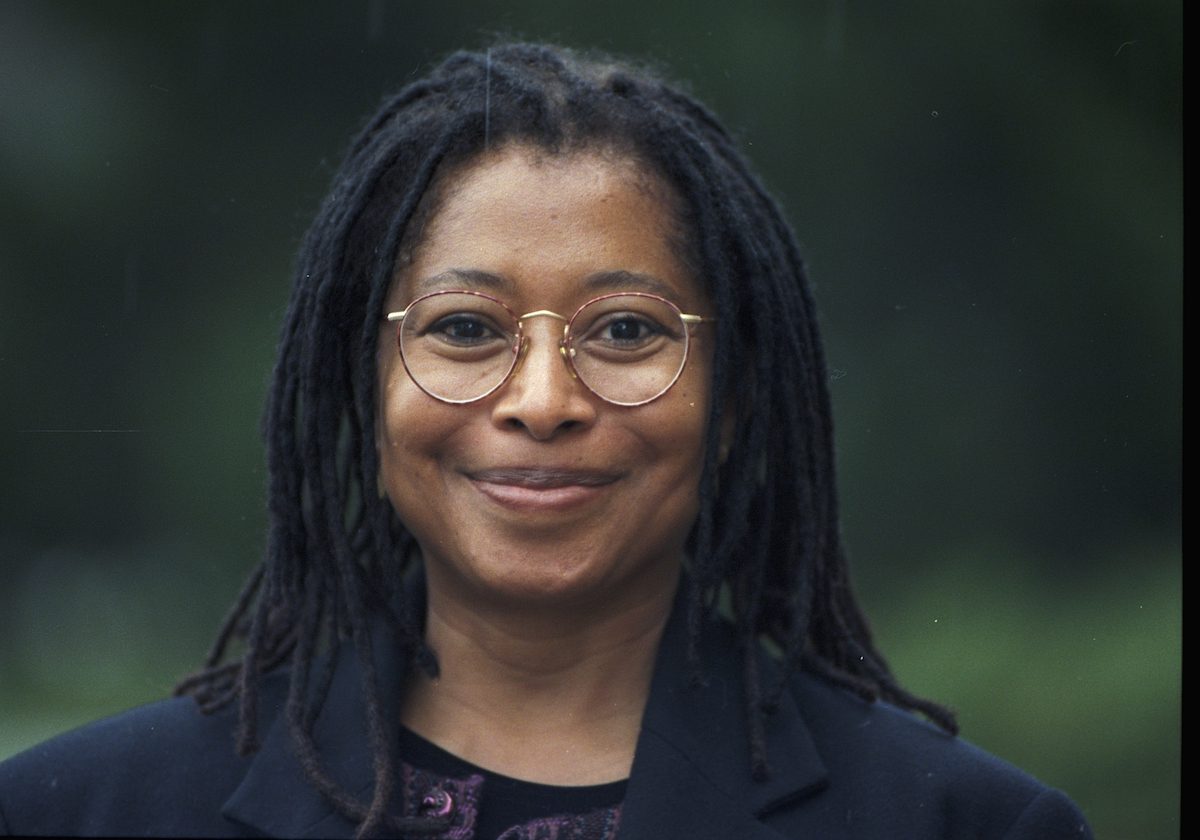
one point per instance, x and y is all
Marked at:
(990, 199)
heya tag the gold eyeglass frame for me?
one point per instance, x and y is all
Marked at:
(520, 348)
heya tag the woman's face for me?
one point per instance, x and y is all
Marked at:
(542, 493)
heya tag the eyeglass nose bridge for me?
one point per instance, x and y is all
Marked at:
(564, 349)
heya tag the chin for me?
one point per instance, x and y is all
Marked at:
(533, 580)
(539, 578)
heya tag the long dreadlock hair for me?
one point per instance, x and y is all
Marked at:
(767, 531)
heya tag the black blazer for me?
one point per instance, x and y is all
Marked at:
(840, 768)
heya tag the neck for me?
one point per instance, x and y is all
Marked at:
(552, 696)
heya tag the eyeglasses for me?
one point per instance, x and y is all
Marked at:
(627, 348)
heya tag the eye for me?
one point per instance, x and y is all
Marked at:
(628, 328)
(623, 331)
(624, 336)
(463, 329)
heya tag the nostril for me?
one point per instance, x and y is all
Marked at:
(519, 424)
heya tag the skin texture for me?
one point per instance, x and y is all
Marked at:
(545, 604)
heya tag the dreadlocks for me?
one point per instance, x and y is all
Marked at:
(767, 532)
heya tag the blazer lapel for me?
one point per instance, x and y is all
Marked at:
(275, 797)
(691, 772)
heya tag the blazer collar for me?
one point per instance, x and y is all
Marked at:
(691, 771)
(275, 797)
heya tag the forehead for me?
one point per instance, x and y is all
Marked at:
(547, 226)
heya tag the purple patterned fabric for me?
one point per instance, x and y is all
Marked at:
(595, 825)
(429, 795)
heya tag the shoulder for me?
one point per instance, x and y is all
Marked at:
(838, 766)
(887, 766)
(161, 769)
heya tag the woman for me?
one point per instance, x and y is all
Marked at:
(551, 457)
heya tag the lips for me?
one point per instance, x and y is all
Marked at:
(540, 488)
(543, 477)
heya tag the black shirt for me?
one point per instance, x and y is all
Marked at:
(437, 781)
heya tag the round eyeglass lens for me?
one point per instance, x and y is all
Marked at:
(628, 348)
(458, 346)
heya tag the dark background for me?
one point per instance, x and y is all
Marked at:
(989, 195)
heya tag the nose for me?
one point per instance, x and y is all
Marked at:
(542, 397)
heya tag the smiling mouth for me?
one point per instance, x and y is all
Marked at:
(540, 489)
(542, 478)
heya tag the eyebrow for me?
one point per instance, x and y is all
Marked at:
(628, 281)
(471, 279)
(598, 282)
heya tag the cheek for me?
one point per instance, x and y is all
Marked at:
(411, 427)
(412, 443)
(401, 407)
(677, 431)
(686, 431)
(692, 393)
(408, 424)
